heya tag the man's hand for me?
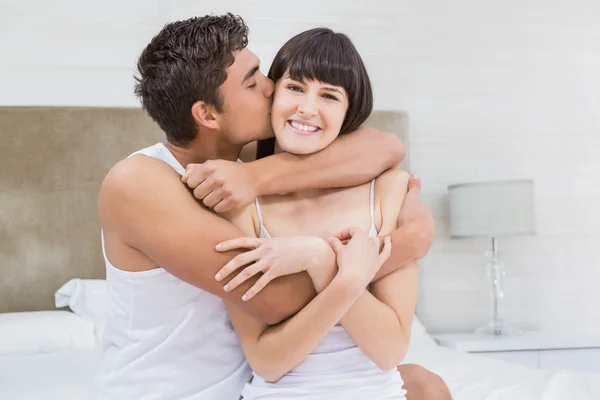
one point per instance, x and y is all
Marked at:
(222, 185)
(418, 215)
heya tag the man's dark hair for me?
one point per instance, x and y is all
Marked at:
(324, 55)
(184, 63)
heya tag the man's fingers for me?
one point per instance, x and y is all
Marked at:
(194, 175)
(203, 189)
(414, 183)
(246, 274)
(185, 175)
(237, 262)
(224, 205)
(213, 198)
(239, 243)
(188, 171)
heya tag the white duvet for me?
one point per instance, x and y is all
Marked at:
(49, 376)
(476, 377)
(66, 376)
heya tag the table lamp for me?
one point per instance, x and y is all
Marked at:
(492, 210)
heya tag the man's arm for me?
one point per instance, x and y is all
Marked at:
(350, 160)
(144, 204)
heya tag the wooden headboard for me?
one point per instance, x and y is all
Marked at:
(52, 162)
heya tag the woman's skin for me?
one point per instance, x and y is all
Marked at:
(307, 117)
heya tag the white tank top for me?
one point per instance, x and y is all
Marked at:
(167, 339)
(336, 369)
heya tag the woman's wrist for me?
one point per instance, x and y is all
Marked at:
(321, 265)
(352, 280)
(348, 286)
(321, 254)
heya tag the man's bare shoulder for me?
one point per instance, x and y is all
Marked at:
(136, 170)
(138, 181)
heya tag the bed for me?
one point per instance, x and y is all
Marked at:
(66, 373)
(52, 293)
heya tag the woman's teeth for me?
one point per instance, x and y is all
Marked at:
(306, 128)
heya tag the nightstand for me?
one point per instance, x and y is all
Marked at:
(535, 349)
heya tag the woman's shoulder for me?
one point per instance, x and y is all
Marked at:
(244, 218)
(390, 189)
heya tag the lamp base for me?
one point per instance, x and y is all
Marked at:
(493, 329)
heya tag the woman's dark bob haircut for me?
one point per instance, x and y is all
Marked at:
(324, 55)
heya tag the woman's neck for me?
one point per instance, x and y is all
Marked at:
(306, 194)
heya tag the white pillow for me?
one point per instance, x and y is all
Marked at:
(44, 332)
(87, 298)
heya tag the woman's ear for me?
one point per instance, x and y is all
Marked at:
(205, 115)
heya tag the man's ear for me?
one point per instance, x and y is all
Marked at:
(205, 115)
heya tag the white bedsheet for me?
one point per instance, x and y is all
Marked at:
(476, 377)
(49, 376)
(66, 376)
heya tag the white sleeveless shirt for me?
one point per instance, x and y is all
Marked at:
(167, 339)
(336, 369)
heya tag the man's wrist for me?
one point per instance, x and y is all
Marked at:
(259, 176)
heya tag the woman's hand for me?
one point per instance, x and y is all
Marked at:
(273, 257)
(360, 259)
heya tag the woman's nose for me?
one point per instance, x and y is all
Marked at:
(308, 107)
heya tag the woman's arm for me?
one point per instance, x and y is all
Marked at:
(273, 351)
(414, 232)
(379, 322)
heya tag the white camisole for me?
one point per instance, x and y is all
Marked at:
(336, 369)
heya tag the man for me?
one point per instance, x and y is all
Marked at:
(168, 334)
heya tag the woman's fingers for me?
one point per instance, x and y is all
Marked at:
(346, 234)
(239, 243)
(386, 251)
(238, 261)
(258, 286)
(246, 274)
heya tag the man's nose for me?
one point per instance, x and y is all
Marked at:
(269, 87)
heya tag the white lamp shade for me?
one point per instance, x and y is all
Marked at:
(492, 209)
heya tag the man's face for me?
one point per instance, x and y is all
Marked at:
(247, 100)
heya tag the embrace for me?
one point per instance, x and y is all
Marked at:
(268, 248)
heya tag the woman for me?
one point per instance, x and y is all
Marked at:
(347, 342)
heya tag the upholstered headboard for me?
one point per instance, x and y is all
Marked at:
(52, 162)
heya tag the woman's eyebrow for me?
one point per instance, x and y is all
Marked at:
(331, 89)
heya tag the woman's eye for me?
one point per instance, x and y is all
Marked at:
(330, 97)
(251, 86)
(294, 88)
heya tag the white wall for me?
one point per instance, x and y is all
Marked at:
(70, 52)
(509, 90)
(493, 90)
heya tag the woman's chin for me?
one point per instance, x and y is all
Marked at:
(300, 149)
